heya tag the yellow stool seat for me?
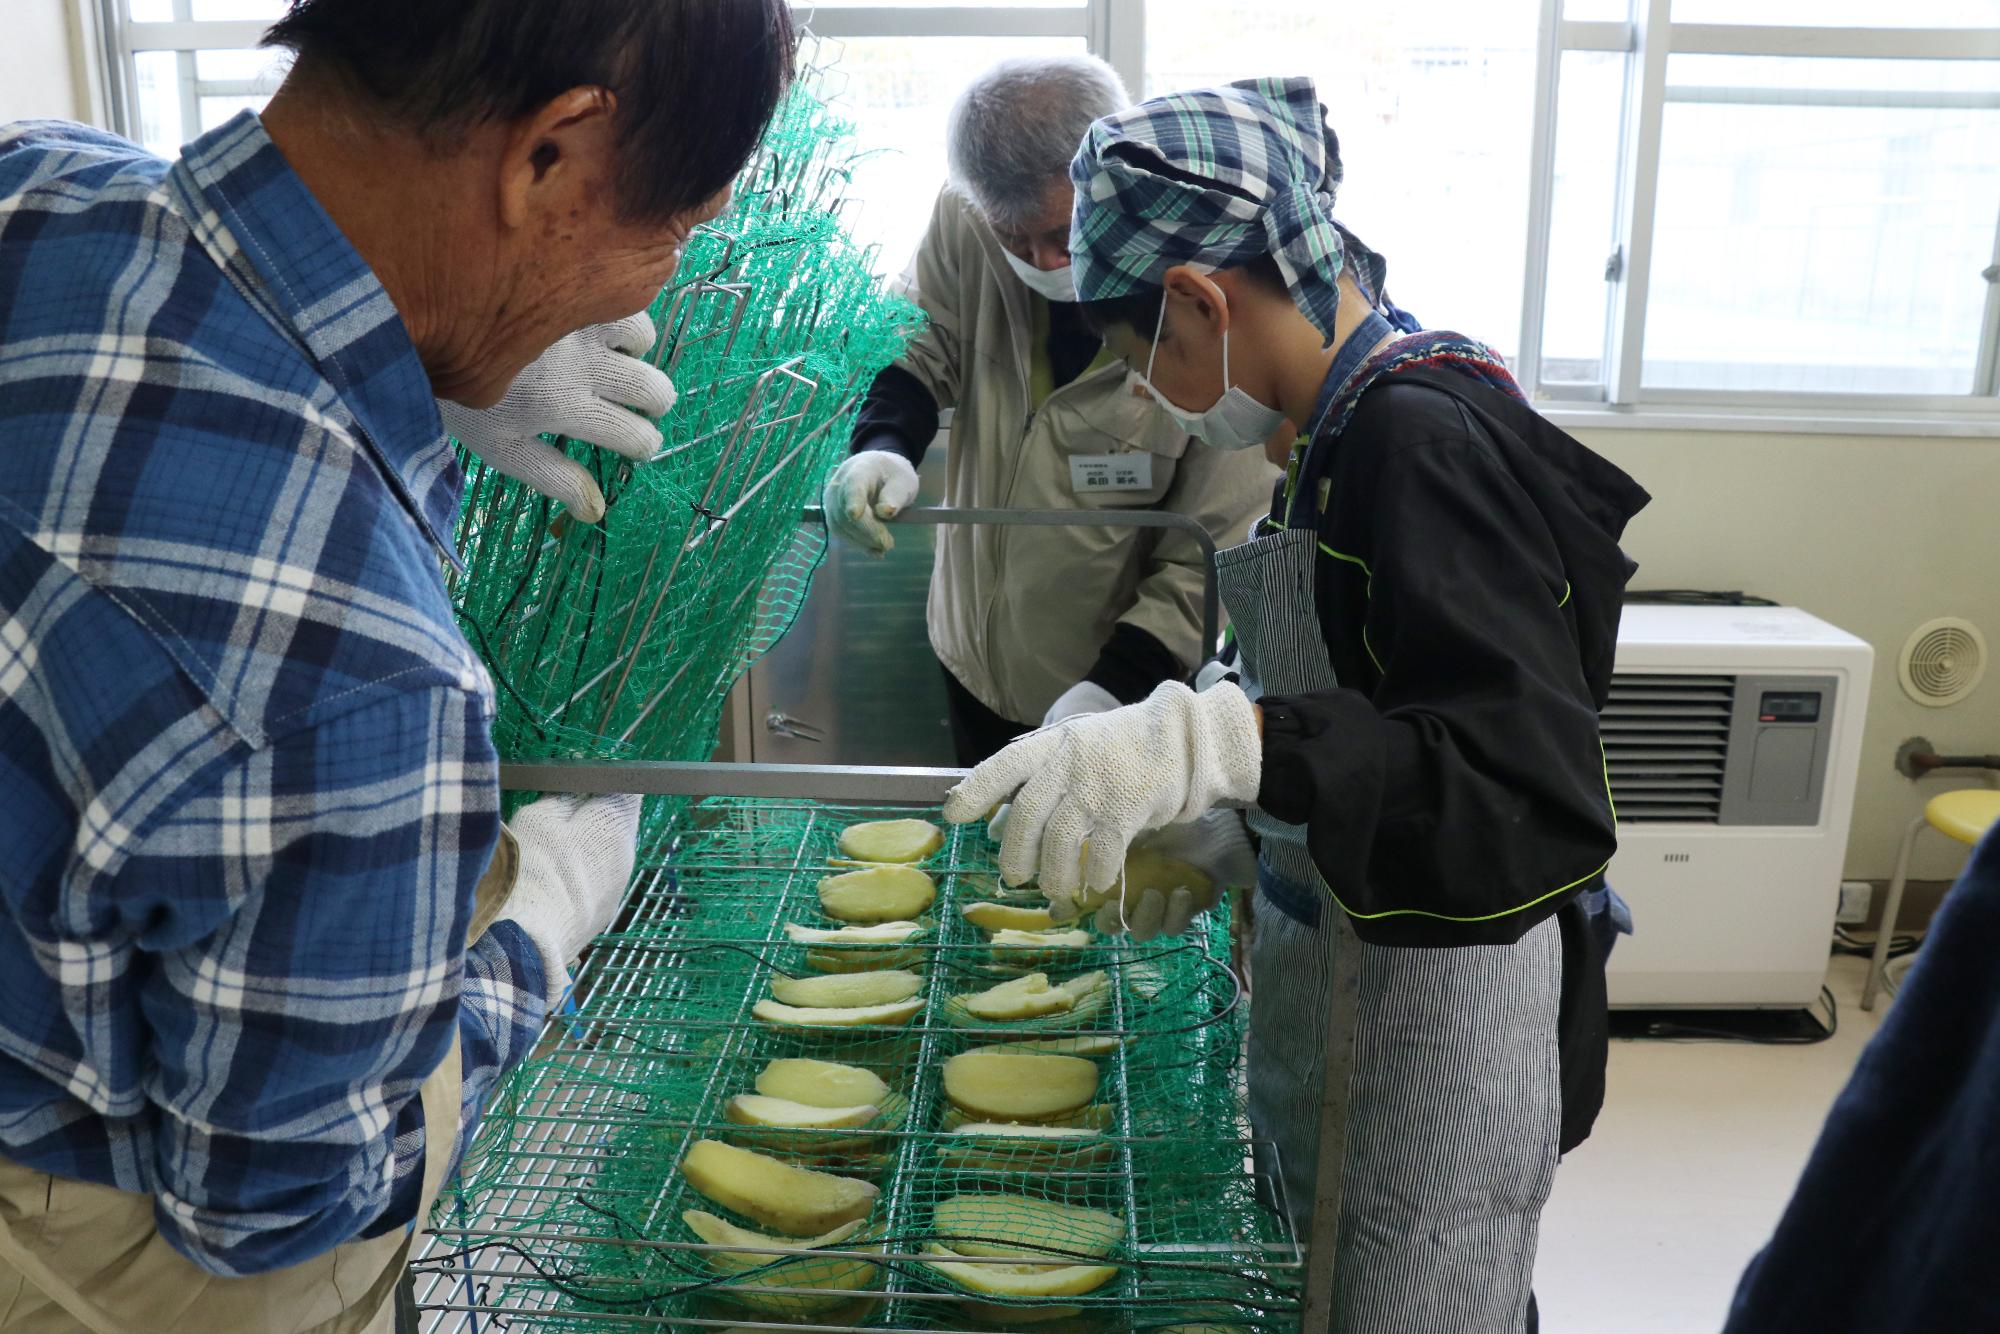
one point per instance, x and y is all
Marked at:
(1966, 814)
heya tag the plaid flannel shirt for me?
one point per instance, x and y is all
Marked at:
(247, 783)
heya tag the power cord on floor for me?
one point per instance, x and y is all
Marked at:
(1846, 942)
(1771, 1028)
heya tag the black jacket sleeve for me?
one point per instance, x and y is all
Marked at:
(1458, 798)
(1133, 662)
(899, 414)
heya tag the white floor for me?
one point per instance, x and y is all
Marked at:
(1692, 1160)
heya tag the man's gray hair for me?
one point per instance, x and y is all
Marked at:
(1014, 130)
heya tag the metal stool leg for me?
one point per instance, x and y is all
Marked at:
(1890, 907)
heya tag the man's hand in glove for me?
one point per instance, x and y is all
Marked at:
(594, 385)
(865, 489)
(1217, 845)
(576, 860)
(1102, 778)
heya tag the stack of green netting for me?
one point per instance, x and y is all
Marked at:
(622, 639)
(614, 1173)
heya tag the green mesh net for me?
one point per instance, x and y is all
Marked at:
(621, 639)
(573, 1211)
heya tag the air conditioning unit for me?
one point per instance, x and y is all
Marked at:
(1731, 741)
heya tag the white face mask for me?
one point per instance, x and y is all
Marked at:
(1052, 284)
(1235, 421)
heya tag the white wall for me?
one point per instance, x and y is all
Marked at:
(1876, 535)
(38, 75)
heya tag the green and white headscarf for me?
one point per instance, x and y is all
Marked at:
(1216, 177)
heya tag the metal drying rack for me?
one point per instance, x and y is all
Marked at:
(472, 1256)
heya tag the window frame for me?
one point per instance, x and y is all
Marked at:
(1646, 42)
(1116, 30)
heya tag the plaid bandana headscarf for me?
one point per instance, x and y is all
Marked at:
(1216, 177)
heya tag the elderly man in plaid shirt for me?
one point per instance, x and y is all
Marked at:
(260, 962)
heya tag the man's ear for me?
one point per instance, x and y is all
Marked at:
(562, 144)
(1198, 292)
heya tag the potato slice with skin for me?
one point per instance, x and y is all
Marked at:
(877, 894)
(715, 1231)
(860, 1016)
(871, 959)
(990, 1146)
(1003, 1086)
(1098, 1116)
(891, 840)
(1008, 917)
(821, 1083)
(756, 1109)
(793, 1200)
(878, 987)
(991, 1278)
(876, 933)
(1021, 1227)
(837, 1275)
(1090, 1044)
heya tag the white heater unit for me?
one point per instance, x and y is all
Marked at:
(1731, 740)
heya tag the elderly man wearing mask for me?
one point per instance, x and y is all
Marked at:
(1033, 625)
(266, 946)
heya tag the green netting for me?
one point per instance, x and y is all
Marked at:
(621, 639)
(570, 1209)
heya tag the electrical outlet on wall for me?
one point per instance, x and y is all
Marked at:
(1855, 896)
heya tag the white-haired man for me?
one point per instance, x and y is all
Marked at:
(1035, 624)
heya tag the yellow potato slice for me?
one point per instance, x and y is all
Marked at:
(877, 894)
(837, 1275)
(891, 840)
(794, 1200)
(1020, 1227)
(990, 1278)
(1007, 917)
(878, 987)
(857, 1016)
(756, 1109)
(1004, 1086)
(1097, 1116)
(1023, 998)
(1068, 938)
(878, 933)
(821, 1083)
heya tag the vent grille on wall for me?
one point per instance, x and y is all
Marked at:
(1666, 745)
(1942, 662)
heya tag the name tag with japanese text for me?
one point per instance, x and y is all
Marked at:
(1110, 472)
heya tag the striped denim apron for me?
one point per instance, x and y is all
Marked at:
(1456, 1094)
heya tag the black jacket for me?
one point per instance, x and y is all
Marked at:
(1469, 587)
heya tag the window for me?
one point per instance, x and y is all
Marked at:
(1782, 216)
(1433, 104)
(1714, 205)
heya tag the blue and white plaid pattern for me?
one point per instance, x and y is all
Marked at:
(247, 782)
(1217, 176)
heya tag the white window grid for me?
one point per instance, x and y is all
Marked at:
(1115, 30)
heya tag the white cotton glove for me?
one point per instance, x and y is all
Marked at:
(594, 385)
(1217, 845)
(1105, 777)
(577, 855)
(1083, 697)
(1214, 671)
(865, 489)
